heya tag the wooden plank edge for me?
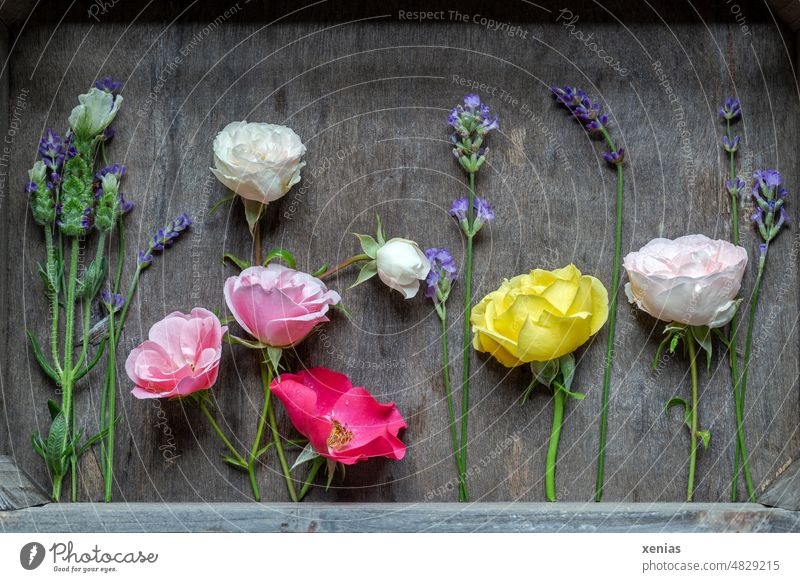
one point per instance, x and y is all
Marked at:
(17, 490)
(401, 517)
(784, 491)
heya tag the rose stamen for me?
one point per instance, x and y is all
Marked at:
(339, 437)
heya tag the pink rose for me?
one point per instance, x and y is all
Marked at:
(342, 422)
(181, 356)
(691, 280)
(278, 305)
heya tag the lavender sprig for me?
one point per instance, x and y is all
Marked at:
(163, 239)
(482, 213)
(471, 122)
(588, 113)
(109, 85)
(443, 272)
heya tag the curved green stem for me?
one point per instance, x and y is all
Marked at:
(344, 264)
(449, 392)
(559, 399)
(612, 320)
(692, 414)
(266, 380)
(262, 419)
(111, 393)
(69, 341)
(463, 494)
(54, 308)
(220, 434)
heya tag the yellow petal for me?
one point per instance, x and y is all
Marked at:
(552, 336)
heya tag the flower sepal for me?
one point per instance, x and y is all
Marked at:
(554, 374)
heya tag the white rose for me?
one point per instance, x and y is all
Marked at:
(691, 280)
(402, 265)
(95, 112)
(258, 161)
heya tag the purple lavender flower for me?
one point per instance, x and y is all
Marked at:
(443, 272)
(108, 85)
(164, 239)
(51, 150)
(577, 102)
(125, 206)
(118, 169)
(735, 186)
(730, 146)
(767, 181)
(471, 122)
(31, 187)
(113, 301)
(109, 133)
(615, 158)
(758, 217)
(731, 109)
(482, 214)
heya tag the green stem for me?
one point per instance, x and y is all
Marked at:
(741, 388)
(612, 320)
(463, 494)
(449, 392)
(220, 434)
(111, 392)
(54, 308)
(69, 340)
(344, 264)
(266, 380)
(559, 398)
(692, 415)
(315, 466)
(262, 419)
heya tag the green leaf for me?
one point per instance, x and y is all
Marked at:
(252, 344)
(234, 462)
(528, 391)
(566, 365)
(263, 450)
(545, 372)
(660, 349)
(37, 354)
(705, 436)
(56, 447)
(38, 445)
(379, 234)
(702, 335)
(343, 309)
(282, 254)
(93, 440)
(722, 337)
(575, 395)
(368, 244)
(677, 401)
(676, 337)
(331, 468)
(253, 211)
(368, 271)
(214, 207)
(274, 357)
(242, 264)
(88, 368)
(321, 270)
(54, 409)
(306, 455)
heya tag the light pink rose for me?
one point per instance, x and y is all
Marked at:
(691, 280)
(278, 305)
(181, 356)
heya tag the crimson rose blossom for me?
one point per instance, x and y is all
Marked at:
(278, 305)
(342, 422)
(181, 356)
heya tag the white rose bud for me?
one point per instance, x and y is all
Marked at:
(258, 161)
(402, 265)
(96, 111)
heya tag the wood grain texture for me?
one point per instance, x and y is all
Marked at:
(17, 491)
(401, 517)
(369, 94)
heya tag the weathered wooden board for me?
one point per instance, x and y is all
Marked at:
(369, 93)
(401, 517)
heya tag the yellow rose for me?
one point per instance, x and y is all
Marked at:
(540, 316)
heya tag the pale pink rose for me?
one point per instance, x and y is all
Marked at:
(278, 305)
(181, 356)
(691, 280)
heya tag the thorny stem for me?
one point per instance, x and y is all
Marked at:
(344, 264)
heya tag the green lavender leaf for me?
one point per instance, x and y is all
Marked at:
(242, 264)
(282, 254)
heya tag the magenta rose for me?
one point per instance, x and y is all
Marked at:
(278, 305)
(181, 356)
